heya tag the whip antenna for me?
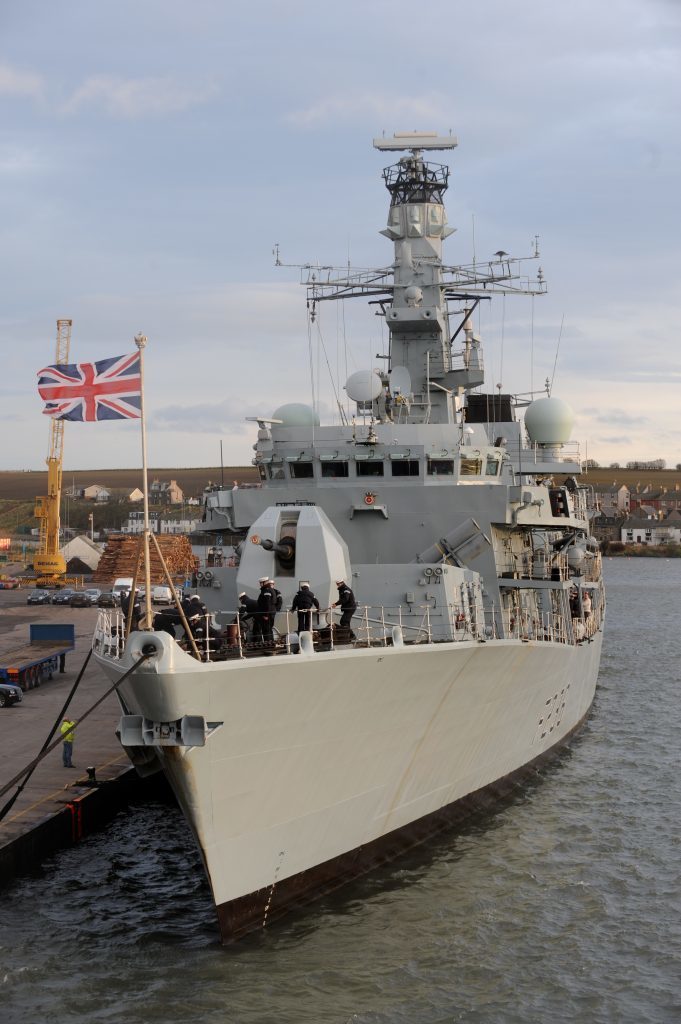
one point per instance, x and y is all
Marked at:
(555, 361)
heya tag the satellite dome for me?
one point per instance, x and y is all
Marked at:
(296, 414)
(363, 386)
(549, 421)
(576, 555)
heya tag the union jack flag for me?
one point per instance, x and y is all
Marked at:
(109, 389)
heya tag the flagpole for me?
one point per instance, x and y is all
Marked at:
(141, 342)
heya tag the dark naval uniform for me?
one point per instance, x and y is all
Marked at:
(248, 606)
(126, 601)
(303, 603)
(348, 606)
(263, 628)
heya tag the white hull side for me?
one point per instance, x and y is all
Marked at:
(321, 755)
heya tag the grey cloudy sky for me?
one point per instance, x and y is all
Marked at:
(152, 153)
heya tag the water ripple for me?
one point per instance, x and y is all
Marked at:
(563, 905)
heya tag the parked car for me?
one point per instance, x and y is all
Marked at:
(94, 594)
(9, 695)
(162, 595)
(79, 600)
(107, 600)
(63, 596)
(9, 583)
(39, 597)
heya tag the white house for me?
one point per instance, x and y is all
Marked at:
(178, 525)
(649, 531)
(95, 492)
(135, 524)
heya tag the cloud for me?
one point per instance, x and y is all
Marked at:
(619, 417)
(19, 83)
(433, 107)
(212, 418)
(228, 417)
(16, 160)
(131, 98)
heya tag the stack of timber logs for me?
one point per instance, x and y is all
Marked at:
(122, 551)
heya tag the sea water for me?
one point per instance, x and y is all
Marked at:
(562, 905)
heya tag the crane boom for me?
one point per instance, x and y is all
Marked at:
(49, 563)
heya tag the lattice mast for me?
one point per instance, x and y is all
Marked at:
(49, 563)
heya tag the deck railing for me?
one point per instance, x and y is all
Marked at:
(371, 626)
(379, 625)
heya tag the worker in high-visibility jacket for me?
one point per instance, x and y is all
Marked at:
(68, 729)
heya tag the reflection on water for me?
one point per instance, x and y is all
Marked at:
(563, 905)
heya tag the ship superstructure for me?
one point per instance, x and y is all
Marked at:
(302, 759)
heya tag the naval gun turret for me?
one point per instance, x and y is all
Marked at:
(285, 550)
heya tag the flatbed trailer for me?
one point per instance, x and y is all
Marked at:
(30, 664)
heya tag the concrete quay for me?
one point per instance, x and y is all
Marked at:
(58, 806)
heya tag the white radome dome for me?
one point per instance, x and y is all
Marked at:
(549, 421)
(363, 386)
(296, 414)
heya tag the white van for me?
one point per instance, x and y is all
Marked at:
(121, 586)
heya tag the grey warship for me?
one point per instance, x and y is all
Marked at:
(302, 759)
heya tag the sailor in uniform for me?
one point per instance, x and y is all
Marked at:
(278, 599)
(264, 617)
(303, 603)
(348, 606)
(126, 601)
(248, 608)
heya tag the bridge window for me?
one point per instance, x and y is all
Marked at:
(334, 470)
(491, 466)
(370, 468)
(405, 467)
(471, 466)
(440, 467)
(301, 470)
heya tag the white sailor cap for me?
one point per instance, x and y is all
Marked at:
(263, 579)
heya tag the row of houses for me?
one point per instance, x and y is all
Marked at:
(639, 528)
(652, 531)
(161, 492)
(620, 500)
(135, 524)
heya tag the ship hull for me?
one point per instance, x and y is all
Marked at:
(319, 768)
(250, 913)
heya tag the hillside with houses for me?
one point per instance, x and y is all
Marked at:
(634, 510)
(641, 514)
(95, 511)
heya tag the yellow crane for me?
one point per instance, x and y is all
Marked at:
(49, 564)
